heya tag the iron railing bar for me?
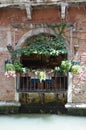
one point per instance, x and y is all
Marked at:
(49, 85)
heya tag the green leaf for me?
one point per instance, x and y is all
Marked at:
(43, 45)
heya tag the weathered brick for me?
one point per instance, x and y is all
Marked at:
(39, 15)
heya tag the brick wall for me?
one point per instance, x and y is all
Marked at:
(13, 16)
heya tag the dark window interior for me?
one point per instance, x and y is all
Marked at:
(35, 61)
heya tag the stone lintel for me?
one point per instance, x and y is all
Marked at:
(38, 25)
(75, 105)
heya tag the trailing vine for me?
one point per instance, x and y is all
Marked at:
(43, 45)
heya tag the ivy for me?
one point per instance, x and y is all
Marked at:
(43, 45)
(61, 27)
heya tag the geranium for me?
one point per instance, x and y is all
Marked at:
(12, 68)
(10, 74)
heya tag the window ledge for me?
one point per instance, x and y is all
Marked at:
(9, 104)
(75, 105)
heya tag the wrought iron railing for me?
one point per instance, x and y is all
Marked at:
(25, 83)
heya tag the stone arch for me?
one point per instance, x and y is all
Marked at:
(38, 31)
(49, 31)
(31, 33)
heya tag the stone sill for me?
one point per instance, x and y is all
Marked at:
(75, 105)
(10, 104)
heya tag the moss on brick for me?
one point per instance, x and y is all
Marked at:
(9, 109)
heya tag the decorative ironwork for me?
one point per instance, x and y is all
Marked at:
(32, 84)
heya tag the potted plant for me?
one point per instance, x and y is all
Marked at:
(64, 68)
(10, 70)
(58, 71)
(18, 66)
(76, 69)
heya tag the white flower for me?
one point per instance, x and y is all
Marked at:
(76, 69)
(10, 74)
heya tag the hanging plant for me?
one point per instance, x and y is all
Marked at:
(76, 69)
(18, 66)
(10, 70)
(67, 66)
(10, 67)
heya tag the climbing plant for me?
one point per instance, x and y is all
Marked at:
(61, 27)
(45, 45)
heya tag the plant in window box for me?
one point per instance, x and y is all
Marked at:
(58, 71)
(42, 75)
(64, 68)
(18, 67)
(10, 70)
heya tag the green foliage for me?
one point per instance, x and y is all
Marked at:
(58, 69)
(42, 75)
(61, 27)
(10, 67)
(43, 45)
(18, 66)
(66, 65)
(76, 69)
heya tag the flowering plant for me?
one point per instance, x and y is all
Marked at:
(76, 69)
(67, 66)
(10, 74)
(43, 74)
(10, 70)
(64, 67)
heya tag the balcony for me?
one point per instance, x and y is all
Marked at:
(30, 83)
